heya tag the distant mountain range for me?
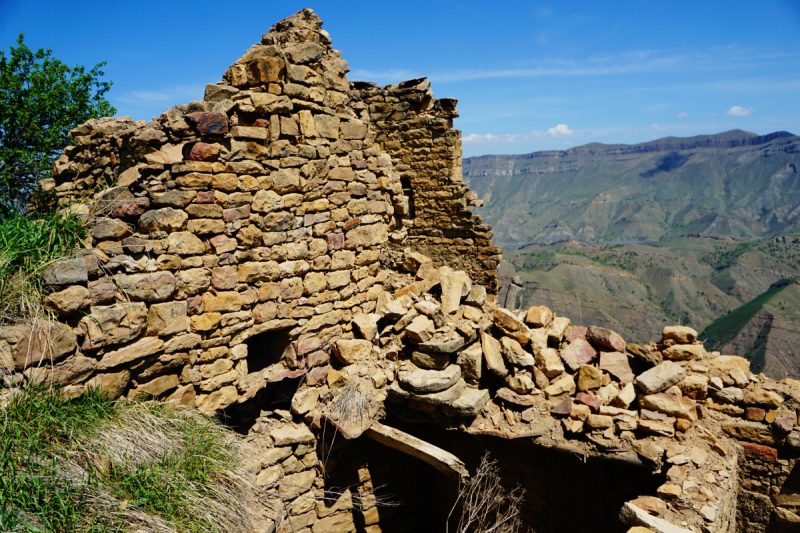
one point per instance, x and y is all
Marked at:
(734, 183)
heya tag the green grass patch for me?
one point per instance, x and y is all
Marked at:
(723, 330)
(91, 464)
(27, 246)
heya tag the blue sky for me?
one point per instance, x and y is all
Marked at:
(529, 76)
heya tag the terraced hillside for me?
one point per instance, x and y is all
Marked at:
(735, 183)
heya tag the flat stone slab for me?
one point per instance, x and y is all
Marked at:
(470, 402)
(445, 397)
(445, 345)
(429, 381)
(517, 399)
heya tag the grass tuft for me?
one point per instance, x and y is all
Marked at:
(28, 245)
(92, 464)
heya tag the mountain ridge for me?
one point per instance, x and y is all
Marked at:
(733, 183)
(686, 143)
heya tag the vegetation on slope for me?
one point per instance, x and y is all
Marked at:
(27, 246)
(722, 331)
(636, 289)
(92, 464)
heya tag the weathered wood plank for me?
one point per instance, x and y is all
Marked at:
(441, 460)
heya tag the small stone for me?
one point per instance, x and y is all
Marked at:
(420, 329)
(367, 324)
(548, 361)
(349, 351)
(685, 352)
(492, 352)
(618, 365)
(562, 385)
(653, 506)
(437, 361)
(539, 316)
(428, 381)
(670, 405)
(660, 377)
(669, 491)
(605, 338)
(763, 398)
(515, 354)
(578, 352)
(471, 360)
(679, 334)
(589, 378)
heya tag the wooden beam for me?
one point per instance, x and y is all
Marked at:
(441, 460)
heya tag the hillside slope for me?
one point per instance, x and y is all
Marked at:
(764, 330)
(734, 183)
(721, 283)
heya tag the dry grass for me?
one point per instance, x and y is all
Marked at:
(487, 507)
(90, 464)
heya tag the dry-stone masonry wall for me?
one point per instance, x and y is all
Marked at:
(259, 254)
(417, 131)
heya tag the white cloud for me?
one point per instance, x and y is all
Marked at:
(683, 115)
(559, 131)
(712, 114)
(657, 127)
(739, 111)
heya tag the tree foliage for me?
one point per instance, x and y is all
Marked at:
(41, 100)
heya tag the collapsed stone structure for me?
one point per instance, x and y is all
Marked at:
(295, 253)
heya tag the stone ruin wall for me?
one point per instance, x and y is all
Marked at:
(261, 252)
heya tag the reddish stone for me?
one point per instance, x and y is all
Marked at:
(765, 453)
(335, 241)
(264, 312)
(220, 241)
(605, 337)
(317, 375)
(352, 223)
(210, 123)
(194, 305)
(575, 332)
(229, 215)
(754, 414)
(205, 197)
(517, 399)
(260, 123)
(646, 414)
(129, 208)
(587, 399)
(563, 409)
(203, 152)
(333, 186)
(784, 423)
(308, 344)
(286, 374)
(358, 163)
(309, 219)
(318, 358)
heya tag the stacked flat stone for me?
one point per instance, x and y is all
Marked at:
(417, 131)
